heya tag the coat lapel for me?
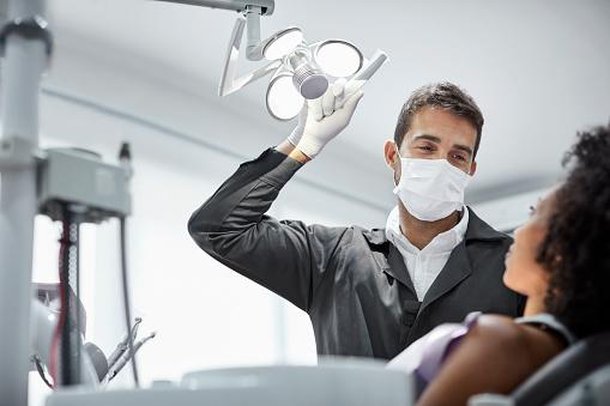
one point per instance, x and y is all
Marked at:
(458, 266)
(397, 269)
(388, 258)
(455, 271)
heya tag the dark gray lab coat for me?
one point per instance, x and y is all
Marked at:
(352, 282)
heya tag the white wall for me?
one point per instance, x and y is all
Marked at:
(508, 213)
(538, 69)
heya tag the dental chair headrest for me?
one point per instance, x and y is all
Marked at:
(575, 363)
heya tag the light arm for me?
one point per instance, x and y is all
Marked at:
(228, 81)
(266, 6)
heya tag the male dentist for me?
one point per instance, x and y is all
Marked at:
(370, 293)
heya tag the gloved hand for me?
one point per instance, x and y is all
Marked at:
(322, 119)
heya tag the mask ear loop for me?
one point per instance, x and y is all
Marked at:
(396, 182)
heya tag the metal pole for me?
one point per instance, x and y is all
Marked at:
(24, 62)
(267, 6)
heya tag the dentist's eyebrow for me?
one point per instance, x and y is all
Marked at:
(428, 137)
(437, 140)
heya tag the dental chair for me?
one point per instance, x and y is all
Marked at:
(578, 376)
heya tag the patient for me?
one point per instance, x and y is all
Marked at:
(560, 260)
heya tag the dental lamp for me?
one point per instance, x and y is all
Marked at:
(301, 71)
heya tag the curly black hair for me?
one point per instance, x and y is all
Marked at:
(576, 249)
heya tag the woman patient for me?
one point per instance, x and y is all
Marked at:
(560, 260)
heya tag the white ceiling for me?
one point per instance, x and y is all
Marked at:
(539, 70)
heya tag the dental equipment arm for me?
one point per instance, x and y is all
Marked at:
(229, 82)
(267, 6)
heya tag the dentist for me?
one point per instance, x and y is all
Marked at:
(370, 293)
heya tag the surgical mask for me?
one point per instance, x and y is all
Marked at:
(431, 189)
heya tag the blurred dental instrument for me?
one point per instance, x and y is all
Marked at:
(125, 358)
(123, 345)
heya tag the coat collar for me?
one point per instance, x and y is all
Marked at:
(455, 271)
(480, 230)
(477, 230)
(396, 268)
(458, 266)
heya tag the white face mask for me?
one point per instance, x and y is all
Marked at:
(431, 189)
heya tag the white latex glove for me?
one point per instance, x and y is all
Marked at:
(297, 133)
(324, 118)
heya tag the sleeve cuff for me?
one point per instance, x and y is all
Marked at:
(284, 168)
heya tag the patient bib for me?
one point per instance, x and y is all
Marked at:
(425, 357)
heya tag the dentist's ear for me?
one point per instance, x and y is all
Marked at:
(390, 155)
(392, 159)
(473, 168)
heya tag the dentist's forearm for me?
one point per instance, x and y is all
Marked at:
(288, 149)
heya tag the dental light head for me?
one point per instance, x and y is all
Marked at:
(305, 73)
(300, 71)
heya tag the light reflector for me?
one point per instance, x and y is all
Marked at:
(283, 100)
(338, 58)
(282, 43)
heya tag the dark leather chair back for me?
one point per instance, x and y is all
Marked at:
(563, 371)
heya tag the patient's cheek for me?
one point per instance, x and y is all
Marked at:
(512, 281)
(518, 274)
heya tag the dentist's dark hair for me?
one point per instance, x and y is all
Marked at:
(442, 95)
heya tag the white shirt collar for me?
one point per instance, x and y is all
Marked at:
(442, 243)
